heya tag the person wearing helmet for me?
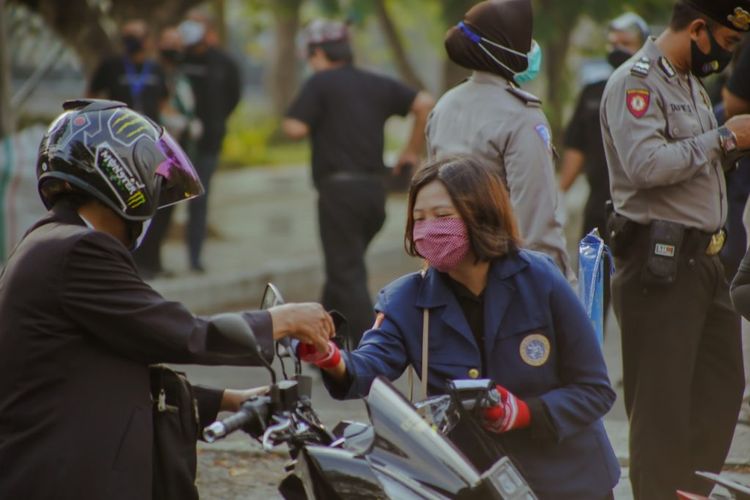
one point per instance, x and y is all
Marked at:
(344, 109)
(79, 327)
(490, 115)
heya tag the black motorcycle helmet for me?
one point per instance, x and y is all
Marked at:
(105, 150)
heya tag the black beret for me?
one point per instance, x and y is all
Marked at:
(734, 14)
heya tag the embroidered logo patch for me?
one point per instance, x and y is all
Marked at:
(545, 135)
(664, 250)
(535, 349)
(637, 101)
(740, 19)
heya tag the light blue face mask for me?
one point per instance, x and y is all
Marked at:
(534, 58)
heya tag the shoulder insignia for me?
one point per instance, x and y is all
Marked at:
(528, 98)
(641, 67)
(666, 67)
(637, 101)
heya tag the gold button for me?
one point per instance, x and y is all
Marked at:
(474, 373)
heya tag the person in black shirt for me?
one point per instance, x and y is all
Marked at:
(344, 109)
(584, 149)
(215, 79)
(132, 77)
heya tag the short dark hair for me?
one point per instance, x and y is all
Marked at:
(55, 190)
(683, 14)
(480, 197)
(338, 51)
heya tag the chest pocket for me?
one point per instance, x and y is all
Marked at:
(527, 356)
(682, 124)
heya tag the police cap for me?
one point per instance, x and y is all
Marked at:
(734, 14)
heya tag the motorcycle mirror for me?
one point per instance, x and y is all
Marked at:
(271, 297)
(233, 328)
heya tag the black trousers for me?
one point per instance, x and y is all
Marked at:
(683, 373)
(350, 214)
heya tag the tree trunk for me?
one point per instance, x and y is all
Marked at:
(555, 57)
(7, 125)
(282, 79)
(393, 38)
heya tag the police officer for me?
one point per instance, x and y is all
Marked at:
(491, 116)
(343, 109)
(681, 348)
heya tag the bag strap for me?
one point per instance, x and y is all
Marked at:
(425, 353)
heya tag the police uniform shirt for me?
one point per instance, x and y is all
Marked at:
(489, 117)
(662, 145)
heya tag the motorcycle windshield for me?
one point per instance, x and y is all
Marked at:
(404, 442)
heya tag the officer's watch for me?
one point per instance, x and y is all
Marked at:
(727, 139)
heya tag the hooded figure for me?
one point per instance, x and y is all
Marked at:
(494, 37)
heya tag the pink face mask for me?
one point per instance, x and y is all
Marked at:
(443, 242)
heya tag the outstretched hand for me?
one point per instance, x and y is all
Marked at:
(308, 322)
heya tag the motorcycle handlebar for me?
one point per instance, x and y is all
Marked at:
(253, 414)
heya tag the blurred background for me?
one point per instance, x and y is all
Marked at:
(48, 49)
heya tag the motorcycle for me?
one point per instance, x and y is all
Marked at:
(734, 489)
(402, 453)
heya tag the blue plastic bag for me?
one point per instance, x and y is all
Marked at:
(591, 254)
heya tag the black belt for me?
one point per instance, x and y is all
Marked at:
(352, 176)
(695, 241)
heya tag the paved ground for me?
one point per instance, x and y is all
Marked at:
(265, 229)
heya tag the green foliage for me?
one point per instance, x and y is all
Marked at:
(252, 140)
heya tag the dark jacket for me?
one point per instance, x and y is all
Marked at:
(539, 344)
(78, 329)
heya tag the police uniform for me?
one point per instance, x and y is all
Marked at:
(682, 358)
(490, 117)
(539, 344)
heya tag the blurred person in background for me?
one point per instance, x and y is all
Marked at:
(179, 118)
(491, 116)
(132, 77)
(215, 80)
(343, 110)
(584, 149)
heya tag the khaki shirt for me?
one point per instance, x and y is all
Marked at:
(481, 117)
(662, 145)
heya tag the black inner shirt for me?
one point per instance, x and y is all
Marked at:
(473, 309)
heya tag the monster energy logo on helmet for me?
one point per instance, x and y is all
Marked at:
(127, 127)
(126, 185)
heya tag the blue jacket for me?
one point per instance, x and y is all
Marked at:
(539, 343)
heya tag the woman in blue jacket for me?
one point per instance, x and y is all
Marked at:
(498, 312)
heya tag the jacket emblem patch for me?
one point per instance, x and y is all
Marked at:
(535, 349)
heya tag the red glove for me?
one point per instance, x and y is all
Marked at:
(309, 354)
(508, 414)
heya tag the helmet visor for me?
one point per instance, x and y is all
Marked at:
(180, 180)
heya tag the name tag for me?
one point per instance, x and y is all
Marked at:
(664, 250)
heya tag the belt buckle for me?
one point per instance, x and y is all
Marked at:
(717, 242)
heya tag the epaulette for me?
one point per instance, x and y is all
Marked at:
(528, 98)
(641, 67)
(666, 67)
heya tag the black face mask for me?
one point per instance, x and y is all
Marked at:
(617, 57)
(171, 55)
(714, 62)
(132, 44)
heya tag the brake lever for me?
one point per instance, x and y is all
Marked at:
(272, 429)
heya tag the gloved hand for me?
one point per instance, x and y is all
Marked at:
(309, 354)
(507, 414)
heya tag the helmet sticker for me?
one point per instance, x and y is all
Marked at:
(127, 127)
(124, 184)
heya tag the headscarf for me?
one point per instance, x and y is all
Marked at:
(507, 23)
